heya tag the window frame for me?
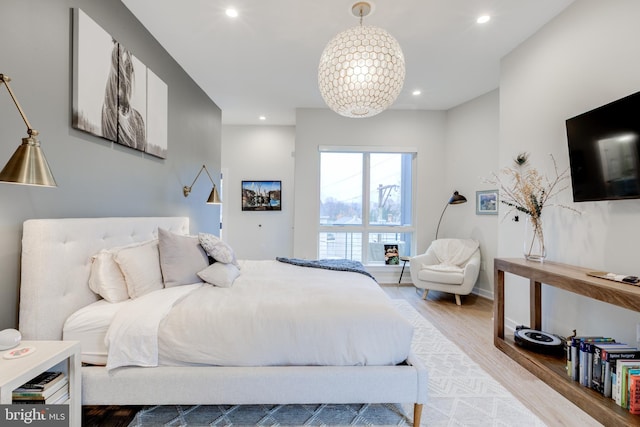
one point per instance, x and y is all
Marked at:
(366, 229)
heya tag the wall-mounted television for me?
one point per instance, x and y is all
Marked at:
(604, 151)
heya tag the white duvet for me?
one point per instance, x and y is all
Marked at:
(274, 314)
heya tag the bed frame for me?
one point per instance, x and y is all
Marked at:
(55, 271)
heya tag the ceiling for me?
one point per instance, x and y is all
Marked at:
(265, 61)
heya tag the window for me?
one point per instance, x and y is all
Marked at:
(366, 202)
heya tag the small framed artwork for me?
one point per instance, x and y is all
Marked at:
(261, 195)
(487, 202)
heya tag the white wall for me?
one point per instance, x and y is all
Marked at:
(585, 58)
(471, 147)
(258, 153)
(424, 130)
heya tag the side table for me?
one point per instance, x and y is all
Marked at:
(404, 260)
(47, 354)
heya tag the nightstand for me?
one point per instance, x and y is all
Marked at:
(47, 354)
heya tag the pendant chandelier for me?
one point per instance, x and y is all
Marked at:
(361, 70)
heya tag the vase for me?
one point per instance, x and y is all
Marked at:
(534, 246)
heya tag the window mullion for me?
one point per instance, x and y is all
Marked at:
(366, 204)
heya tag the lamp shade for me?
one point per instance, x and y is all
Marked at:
(28, 166)
(457, 198)
(361, 71)
(214, 197)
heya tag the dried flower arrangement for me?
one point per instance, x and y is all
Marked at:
(529, 192)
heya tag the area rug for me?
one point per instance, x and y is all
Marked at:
(460, 394)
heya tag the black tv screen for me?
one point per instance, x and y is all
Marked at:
(603, 151)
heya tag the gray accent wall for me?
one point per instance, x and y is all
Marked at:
(95, 177)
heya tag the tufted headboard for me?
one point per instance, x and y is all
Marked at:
(56, 264)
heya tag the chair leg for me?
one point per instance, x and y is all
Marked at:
(458, 299)
(424, 293)
(417, 414)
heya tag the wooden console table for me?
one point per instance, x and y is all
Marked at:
(551, 369)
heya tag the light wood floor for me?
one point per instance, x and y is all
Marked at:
(470, 326)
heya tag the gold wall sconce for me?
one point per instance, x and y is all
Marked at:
(28, 165)
(214, 197)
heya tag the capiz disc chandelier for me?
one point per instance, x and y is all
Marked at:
(361, 70)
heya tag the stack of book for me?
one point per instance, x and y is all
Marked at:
(608, 367)
(47, 388)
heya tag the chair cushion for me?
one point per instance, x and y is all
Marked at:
(448, 276)
(454, 251)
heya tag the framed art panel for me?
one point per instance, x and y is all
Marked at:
(487, 202)
(115, 95)
(261, 195)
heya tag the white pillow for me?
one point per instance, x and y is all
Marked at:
(220, 274)
(217, 249)
(106, 278)
(181, 257)
(140, 266)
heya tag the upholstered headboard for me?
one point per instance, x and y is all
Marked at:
(56, 264)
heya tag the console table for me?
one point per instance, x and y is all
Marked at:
(551, 369)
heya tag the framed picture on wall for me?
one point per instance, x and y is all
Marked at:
(261, 195)
(487, 202)
(115, 95)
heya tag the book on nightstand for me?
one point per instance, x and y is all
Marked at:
(48, 387)
(42, 382)
(32, 394)
(59, 395)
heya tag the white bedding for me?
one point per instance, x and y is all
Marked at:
(274, 314)
(89, 325)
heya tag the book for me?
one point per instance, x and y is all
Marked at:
(598, 368)
(610, 357)
(42, 382)
(634, 394)
(622, 366)
(624, 392)
(575, 355)
(22, 394)
(56, 397)
(585, 358)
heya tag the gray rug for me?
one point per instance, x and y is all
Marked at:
(460, 394)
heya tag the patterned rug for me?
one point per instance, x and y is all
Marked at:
(460, 394)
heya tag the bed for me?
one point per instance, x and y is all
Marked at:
(56, 264)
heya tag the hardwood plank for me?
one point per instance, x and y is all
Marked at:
(470, 326)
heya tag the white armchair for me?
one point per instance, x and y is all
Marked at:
(448, 265)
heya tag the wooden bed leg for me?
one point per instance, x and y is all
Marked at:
(417, 414)
(424, 293)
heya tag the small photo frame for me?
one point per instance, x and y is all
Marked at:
(261, 195)
(487, 202)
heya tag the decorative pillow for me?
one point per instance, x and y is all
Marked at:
(181, 257)
(140, 266)
(106, 278)
(217, 249)
(220, 274)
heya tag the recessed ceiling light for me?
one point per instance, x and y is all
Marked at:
(231, 12)
(416, 92)
(483, 19)
(262, 118)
